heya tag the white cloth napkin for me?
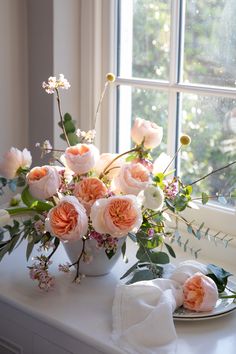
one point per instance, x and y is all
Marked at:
(142, 312)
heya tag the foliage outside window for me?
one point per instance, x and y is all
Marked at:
(198, 81)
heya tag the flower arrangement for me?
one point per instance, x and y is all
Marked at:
(84, 195)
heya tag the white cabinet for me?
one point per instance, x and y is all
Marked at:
(24, 334)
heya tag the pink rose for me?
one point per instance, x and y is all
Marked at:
(13, 160)
(200, 293)
(132, 179)
(67, 220)
(89, 190)
(104, 160)
(80, 158)
(116, 216)
(43, 181)
(149, 132)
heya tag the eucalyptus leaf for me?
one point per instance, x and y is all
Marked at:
(139, 275)
(130, 270)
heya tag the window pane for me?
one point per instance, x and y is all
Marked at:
(144, 103)
(210, 42)
(144, 38)
(211, 123)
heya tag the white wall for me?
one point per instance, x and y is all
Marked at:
(13, 74)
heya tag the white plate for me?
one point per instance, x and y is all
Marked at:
(222, 308)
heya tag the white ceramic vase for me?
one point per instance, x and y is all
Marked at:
(100, 264)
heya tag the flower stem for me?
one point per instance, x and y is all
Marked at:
(173, 158)
(116, 158)
(212, 172)
(99, 104)
(79, 259)
(61, 118)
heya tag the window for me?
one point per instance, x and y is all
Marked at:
(177, 67)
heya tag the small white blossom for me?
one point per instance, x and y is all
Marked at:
(152, 198)
(53, 84)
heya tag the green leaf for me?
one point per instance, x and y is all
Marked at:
(29, 249)
(12, 185)
(170, 205)
(205, 198)
(131, 157)
(109, 253)
(170, 250)
(139, 275)
(20, 181)
(67, 116)
(3, 251)
(219, 275)
(27, 198)
(41, 206)
(132, 236)
(13, 243)
(123, 249)
(130, 270)
(159, 257)
(189, 190)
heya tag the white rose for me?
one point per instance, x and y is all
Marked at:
(13, 160)
(43, 181)
(161, 162)
(152, 198)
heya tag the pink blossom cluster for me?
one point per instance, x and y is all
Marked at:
(104, 241)
(171, 188)
(39, 272)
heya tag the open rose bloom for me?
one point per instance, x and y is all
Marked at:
(81, 196)
(200, 293)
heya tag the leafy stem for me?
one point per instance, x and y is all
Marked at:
(61, 118)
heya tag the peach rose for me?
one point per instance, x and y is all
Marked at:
(89, 190)
(116, 216)
(13, 160)
(43, 181)
(149, 132)
(131, 179)
(104, 160)
(200, 293)
(80, 158)
(67, 220)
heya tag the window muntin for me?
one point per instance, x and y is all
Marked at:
(190, 99)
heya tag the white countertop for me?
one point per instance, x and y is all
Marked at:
(84, 311)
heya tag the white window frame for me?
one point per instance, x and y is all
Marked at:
(98, 23)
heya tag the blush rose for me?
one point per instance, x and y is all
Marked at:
(116, 216)
(43, 181)
(80, 158)
(67, 220)
(146, 132)
(131, 179)
(13, 160)
(200, 293)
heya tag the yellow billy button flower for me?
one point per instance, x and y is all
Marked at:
(185, 140)
(110, 77)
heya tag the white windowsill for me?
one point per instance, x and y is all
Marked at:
(84, 312)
